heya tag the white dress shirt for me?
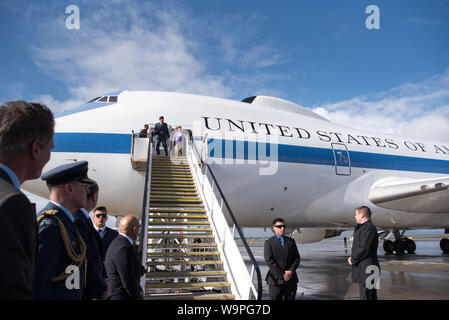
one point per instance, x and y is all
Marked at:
(129, 239)
(66, 211)
(100, 230)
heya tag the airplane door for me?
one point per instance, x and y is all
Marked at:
(341, 157)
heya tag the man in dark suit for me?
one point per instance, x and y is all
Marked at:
(61, 258)
(363, 259)
(162, 134)
(123, 264)
(106, 234)
(282, 258)
(96, 285)
(26, 140)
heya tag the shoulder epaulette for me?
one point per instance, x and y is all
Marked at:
(50, 212)
(77, 259)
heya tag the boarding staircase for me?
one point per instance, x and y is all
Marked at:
(188, 248)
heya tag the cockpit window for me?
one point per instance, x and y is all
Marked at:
(93, 99)
(111, 99)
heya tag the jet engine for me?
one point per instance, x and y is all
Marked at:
(309, 235)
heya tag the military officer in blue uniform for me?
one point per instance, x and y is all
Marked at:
(61, 259)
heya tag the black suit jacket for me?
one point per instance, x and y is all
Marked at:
(18, 242)
(364, 251)
(108, 236)
(52, 259)
(161, 130)
(279, 261)
(124, 270)
(95, 285)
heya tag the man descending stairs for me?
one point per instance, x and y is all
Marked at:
(183, 258)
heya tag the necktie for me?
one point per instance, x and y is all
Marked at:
(100, 233)
(283, 243)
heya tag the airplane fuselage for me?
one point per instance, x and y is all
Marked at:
(269, 162)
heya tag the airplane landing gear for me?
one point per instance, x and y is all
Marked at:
(388, 246)
(444, 245)
(400, 245)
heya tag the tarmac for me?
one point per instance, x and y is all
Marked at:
(324, 273)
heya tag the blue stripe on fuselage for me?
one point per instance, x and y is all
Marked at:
(92, 142)
(121, 144)
(309, 155)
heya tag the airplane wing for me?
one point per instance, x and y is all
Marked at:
(424, 195)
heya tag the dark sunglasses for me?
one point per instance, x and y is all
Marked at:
(280, 226)
(101, 215)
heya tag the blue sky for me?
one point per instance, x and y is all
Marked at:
(318, 54)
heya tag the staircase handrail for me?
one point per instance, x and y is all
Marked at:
(143, 236)
(234, 220)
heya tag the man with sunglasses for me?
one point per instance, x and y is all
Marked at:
(282, 258)
(61, 258)
(106, 234)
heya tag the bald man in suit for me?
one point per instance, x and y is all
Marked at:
(123, 264)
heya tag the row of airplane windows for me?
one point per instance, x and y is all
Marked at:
(104, 99)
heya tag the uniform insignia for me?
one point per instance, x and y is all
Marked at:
(51, 211)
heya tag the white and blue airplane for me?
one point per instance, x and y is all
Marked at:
(272, 158)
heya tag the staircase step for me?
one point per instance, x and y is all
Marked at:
(172, 185)
(159, 179)
(175, 201)
(186, 285)
(172, 216)
(181, 254)
(160, 164)
(166, 180)
(180, 236)
(180, 223)
(185, 274)
(180, 229)
(187, 263)
(178, 198)
(170, 205)
(161, 203)
(191, 296)
(157, 210)
(168, 158)
(171, 175)
(169, 182)
(182, 245)
(173, 193)
(169, 171)
(172, 189)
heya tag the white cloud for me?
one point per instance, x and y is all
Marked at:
(413, 109)
(57, 105)
(149, 46)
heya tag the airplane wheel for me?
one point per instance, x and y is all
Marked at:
(444, 245)
(411, 246)
(388, 246)
(400, 245)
